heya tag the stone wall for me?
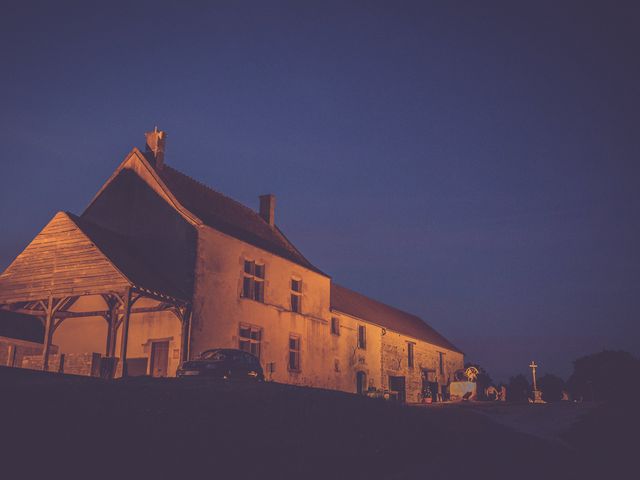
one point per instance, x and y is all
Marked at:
(426, 364)
(87, 364)
(12, 351)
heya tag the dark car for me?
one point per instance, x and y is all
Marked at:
(223, 364)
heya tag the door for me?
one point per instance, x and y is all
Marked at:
(396, 384)
(361, 382)
(159, 359)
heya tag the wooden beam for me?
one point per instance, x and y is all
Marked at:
(186, 334)
(125, 332)
(56, 324)
(113, 330)
(112, 305)
(94, 313)
(48, 334)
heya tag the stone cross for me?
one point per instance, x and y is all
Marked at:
(533, 367)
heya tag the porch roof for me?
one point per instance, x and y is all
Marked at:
(72, 256)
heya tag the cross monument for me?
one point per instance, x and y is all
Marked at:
(537, 394)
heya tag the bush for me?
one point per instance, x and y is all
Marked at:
(518, 389)
(551, 386)
(604, 376)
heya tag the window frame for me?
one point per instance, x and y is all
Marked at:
(296, 351)
(362, 337)
(296, 294)
(411, 354)
(254, 278)
(335, 322)
(250, 340)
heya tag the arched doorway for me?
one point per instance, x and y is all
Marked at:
(361, 383)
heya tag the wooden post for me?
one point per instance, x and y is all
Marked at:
(48, 333)
(125, 331)
(107, 370)
(107, 348)
(186, 334)
(112, 332)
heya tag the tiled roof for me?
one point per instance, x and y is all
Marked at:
(123, 253)
(21, 327)
(358, 305)
(229, 216)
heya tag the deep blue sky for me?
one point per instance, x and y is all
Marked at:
(474, 164)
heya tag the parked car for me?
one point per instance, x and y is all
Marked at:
(223, 364)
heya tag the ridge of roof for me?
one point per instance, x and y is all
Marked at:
(231, 216)
(353, 303)
(213, 190)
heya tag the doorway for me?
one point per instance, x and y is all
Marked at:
(159, 359)
(361, 383)
(397, 384)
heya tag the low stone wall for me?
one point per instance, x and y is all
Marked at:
(87, 364)
(13, 351)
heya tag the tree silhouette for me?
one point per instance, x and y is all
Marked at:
(551, 386)
(518, 389)
(604, 375)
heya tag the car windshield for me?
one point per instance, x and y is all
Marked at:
(215, 355)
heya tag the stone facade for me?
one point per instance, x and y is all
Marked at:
(204, 240)
(427, 367)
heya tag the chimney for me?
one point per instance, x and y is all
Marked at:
(268, 208)
(155, 146)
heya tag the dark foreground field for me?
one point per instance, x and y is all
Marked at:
(66, 427)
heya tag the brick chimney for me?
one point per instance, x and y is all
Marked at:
(155, 146)
(268, 208)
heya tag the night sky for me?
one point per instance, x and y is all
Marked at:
(474, 164)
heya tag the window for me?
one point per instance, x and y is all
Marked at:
(362, 337)
(296, 295)
(253, 281)
(249, 339)
(410, 346)
(294, 352)
(335, 326)
(441, 360)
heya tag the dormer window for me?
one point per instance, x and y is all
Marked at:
(253, 281)
(296, 295)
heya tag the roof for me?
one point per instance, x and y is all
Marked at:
(73, 256)
(358, 305)
(21, 327)
(231, 217)
(124, 254)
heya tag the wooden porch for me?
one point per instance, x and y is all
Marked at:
(71, 259)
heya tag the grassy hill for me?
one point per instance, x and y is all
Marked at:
(75, 427)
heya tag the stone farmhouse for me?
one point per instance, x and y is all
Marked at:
(160, 267)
